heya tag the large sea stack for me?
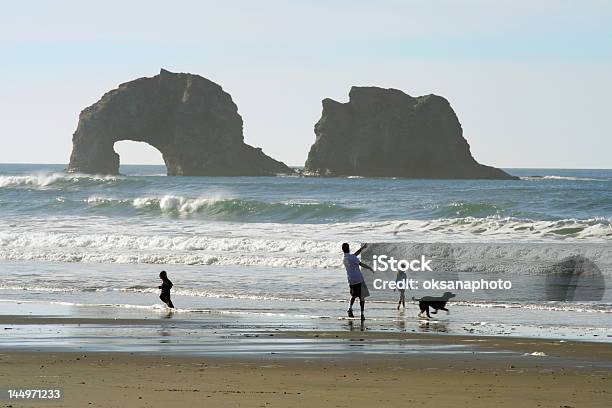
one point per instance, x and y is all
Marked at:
(189, 119)
(387, 133)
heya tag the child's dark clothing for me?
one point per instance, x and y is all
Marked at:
(165, 292)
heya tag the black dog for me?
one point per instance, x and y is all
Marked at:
(436, 303)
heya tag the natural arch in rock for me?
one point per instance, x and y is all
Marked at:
(137, 153)
(189, 119)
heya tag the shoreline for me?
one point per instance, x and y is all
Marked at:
(221, 338)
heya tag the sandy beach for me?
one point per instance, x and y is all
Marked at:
(489, 371)
(137, 380)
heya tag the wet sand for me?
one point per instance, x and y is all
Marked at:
(217, 361)
(488, 371)
(137, 380)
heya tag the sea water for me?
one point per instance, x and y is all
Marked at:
(270, 246)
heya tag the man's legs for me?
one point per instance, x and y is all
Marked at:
(350, 309)
(362, 306)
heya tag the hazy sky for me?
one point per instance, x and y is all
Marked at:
(531, 81)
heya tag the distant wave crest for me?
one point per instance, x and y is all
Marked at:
(231, 208)
(42, 180)
(567, 178)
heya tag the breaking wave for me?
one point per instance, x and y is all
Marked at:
(233, 208)
(47, 180)
(567, 178)
(511, 227)
(228, 209)
(277, 245)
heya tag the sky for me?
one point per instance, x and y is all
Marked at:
(530, 81)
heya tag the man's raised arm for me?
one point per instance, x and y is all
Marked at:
(360, 249)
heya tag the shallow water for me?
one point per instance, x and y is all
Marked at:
(248, 298)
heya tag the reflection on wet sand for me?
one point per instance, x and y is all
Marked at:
(433, 327)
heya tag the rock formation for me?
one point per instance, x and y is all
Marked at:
(189, 119)
(387, 133)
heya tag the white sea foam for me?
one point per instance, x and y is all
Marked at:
(219, 205)
(567, 178)
(171, 259)
(38, 288)
(45, 240)
(511, 227)
(162, 308)
(48, 179)
(536, 354)
(262, 244)
(550, 306)
(170, 203)
(467, 227)
(40, 180)
(604, 308)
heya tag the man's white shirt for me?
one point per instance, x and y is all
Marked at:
(353, 272)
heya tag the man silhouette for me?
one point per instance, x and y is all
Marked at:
(354, 276)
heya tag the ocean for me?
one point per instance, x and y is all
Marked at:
(270, 246)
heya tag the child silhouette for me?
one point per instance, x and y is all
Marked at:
(165, 289)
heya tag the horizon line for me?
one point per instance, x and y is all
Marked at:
(301, 165)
